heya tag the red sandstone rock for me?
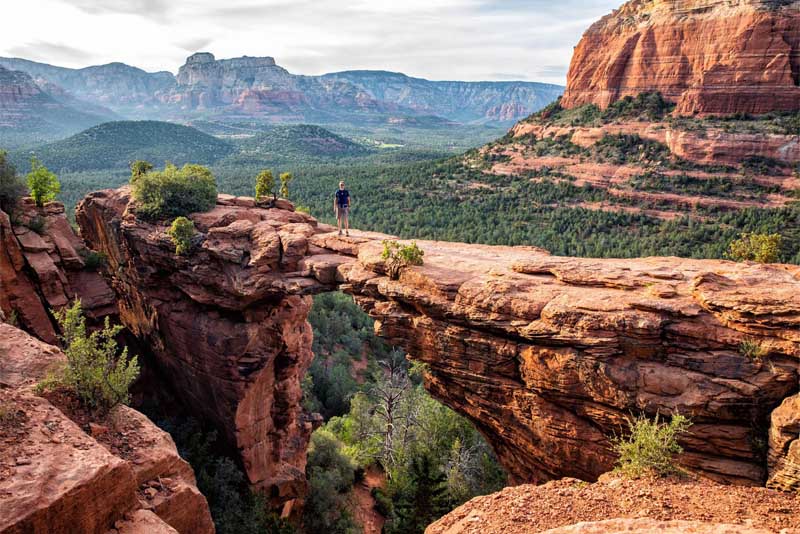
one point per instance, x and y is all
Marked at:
(45, 272)
(17, 293)
(708, 56)
(616, 505)
(57, 478)
(648, 526)
(143, 522)
(546, 355)
(71, 483)
(784, 446)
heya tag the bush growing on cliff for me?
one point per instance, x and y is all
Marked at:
(398, 257)
(95, 370)
(753, 350)
(762, 248)
(11, 186)
(265, 184)
(651, 446)
(43, 184)
(174, 192)
(182, 233)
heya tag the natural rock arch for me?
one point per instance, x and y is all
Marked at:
(546, 355)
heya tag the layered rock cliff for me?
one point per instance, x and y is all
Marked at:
(43, 266)
(546, 355)
(707, 56)
(59, 475)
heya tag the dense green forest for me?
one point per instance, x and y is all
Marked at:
(114, 145)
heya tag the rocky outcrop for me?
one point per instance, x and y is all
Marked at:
(234, 346)
(704, 146)
(784, 446)
(548, 356)
(618, 505)
(59, 477)
(43, 268)
(708, 56)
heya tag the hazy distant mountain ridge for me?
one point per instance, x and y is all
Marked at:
(115, 85)
(29, 114)
(458, 101)
(258, 87)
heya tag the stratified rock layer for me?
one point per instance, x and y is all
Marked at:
(548, 356)
(708, 56)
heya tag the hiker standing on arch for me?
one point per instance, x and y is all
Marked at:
(341, 207)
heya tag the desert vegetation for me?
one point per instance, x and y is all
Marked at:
(761, 248)
(651, 446)
(182, 231)
(42, 184)
(97, 371)
(174, 192)
(398, 256)
(12, 187)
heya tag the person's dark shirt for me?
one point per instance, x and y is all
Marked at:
(342, 197)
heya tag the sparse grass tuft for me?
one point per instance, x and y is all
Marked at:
(752, 349)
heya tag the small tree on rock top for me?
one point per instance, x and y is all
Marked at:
(762, 248)
(398, 257)
(182, 232)
(286, 178)
(43, 184)
(265, 184)
(140, 168)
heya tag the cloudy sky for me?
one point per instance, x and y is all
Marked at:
(436, 39)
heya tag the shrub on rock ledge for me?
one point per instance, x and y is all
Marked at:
(99, 376)
(651, 446)
(182, 232)
(398, 257)
(174, 192)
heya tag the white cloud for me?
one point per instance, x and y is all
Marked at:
(437, 39)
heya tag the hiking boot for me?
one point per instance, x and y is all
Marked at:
(347, 234)
(340, 232)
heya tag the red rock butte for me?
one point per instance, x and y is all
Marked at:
(707, 56)
(546, 355)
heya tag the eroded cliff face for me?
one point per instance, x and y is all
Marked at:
(546, 355)
(60, 476)
(708, 56)
(43, 267)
